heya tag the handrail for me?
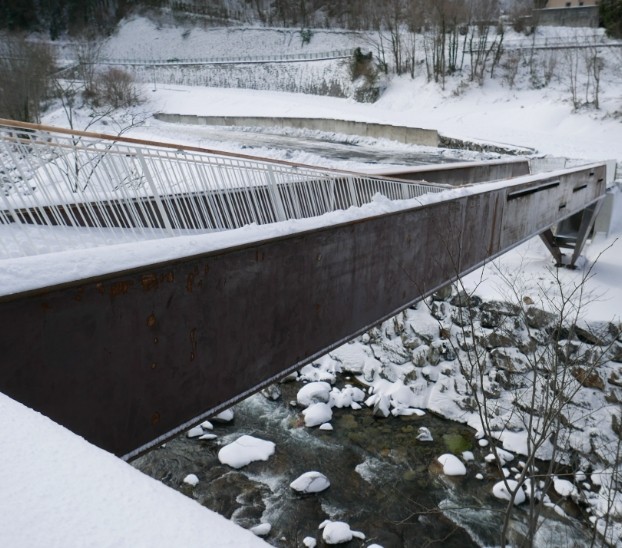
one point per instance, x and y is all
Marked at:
(123, 188)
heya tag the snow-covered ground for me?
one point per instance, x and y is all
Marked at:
(58, 490)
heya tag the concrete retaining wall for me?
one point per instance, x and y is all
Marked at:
(408, 135)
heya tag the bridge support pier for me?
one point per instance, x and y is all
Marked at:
(571, 233)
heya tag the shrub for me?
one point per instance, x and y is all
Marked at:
(116, 88)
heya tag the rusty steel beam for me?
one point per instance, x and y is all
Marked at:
(129, 358)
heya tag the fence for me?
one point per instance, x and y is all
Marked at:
(123, 189)
(280, 58)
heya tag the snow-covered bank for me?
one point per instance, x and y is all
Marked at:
(59, 490)
(528, 118)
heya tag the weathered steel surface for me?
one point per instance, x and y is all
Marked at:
(128, 358)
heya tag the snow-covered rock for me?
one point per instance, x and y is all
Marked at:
(337, 532)
(261, 530)
(225, 416)
(452, 465)
(346, 397)
(244, 450)
(500, 490)
(316, 414)
(310, 482)
(309, 542)
(564, 487)
(191, 479)
(314, 392)
(195, 432)
(424, 434)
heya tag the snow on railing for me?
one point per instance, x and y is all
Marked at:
(120, 189)
(274, 58)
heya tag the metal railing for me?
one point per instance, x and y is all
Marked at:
(240, 59)
(123, 189)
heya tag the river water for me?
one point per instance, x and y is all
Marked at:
(384, 482)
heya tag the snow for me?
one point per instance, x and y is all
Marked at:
(314, 392)
(191, 479)
(500, 490)
(59, 490)
(564, 487)
(337, 532)
(244, 450)
(452, 465)
(224, 416)
(261, 530)
(310, 482)
(317, 413)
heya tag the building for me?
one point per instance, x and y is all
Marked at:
(569, 13)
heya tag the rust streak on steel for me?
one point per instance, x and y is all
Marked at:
(138, 358)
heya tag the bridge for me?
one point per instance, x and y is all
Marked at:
(129, 357)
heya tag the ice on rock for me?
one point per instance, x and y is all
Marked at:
(309, 542)
(326, 426)
(468, 456)
(500, 490)
(208, 436)
(191, 479)
(244, 450)
(314, 392)
(310, 482)
(337, 532)
(207, 425)
(452, 465)
(317, 413)
(424, 434)
(261, 530)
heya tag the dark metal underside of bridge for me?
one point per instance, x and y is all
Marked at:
(129, 358)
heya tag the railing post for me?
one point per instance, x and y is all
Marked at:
(154, 191)
(273, 189)
(352, 192)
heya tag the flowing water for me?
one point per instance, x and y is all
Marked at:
(383, 480)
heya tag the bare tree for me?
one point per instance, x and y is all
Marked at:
(549, 366)
(113, 101)
(25, 78)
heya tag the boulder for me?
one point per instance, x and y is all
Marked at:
(539, 319)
